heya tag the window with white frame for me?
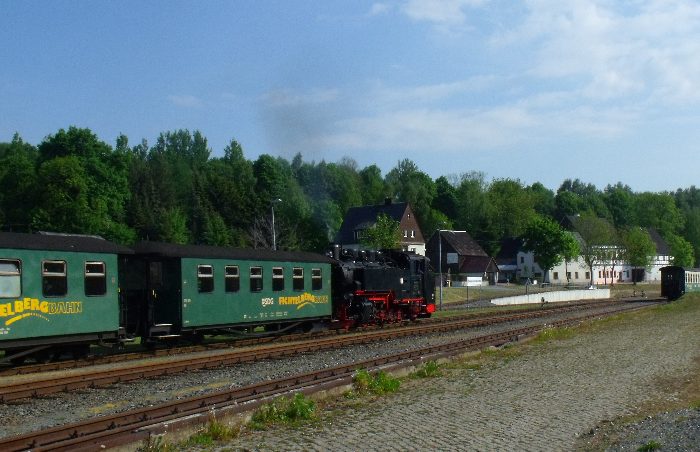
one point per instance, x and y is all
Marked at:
(10, 278)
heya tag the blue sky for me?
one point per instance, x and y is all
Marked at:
(539, 90)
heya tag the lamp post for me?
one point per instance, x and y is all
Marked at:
(440, 263)
(274, 235)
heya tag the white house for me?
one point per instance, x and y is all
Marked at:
(578, 272)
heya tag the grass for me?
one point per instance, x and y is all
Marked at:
(554, 334)
(284, 410)
(377, 384)
(214, 431)
(155, 443)
(430, 369)
(651, 445)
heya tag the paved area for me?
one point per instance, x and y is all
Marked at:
(542, 398)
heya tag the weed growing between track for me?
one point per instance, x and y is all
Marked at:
(430, 369)
(377, 384)
(284, 410)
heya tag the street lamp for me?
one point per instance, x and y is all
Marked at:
(440, 262)
(274, 235)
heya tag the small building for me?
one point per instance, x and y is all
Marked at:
(463, 259)
(358, 219)
(507, 259)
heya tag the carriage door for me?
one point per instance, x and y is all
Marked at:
(155, 290)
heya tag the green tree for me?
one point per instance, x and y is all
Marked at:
(658, 211)
(688, 202)
(640, 248)
(63, 202)
(373, 188)
(445, 199)
(472, 206)
(173, 227)
(105, 177)
(18, 183)
(549, 243)
(682, 253)
(384, 234)
(411, 185)
(571, 249)
(576, 197)
(542, 199)
(510, 209)
(597, 235)
(620, 201)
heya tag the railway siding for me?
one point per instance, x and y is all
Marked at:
(547, 398)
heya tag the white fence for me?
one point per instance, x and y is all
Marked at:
(553, 297)
(470, 281)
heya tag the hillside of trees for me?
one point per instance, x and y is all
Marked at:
(175, 191)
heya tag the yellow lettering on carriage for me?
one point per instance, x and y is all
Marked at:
(33, 307)
(304, 299)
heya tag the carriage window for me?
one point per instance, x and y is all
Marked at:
(298, 278)
(10, 278)
(277, 279)
(256, 282)
(205, 278)
(54, 278)
(95, 279)
(316, 280)
(233, 278)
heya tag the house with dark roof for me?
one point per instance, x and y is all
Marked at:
(461, 256)
(358, 219)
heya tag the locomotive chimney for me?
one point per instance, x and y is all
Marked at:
(336, 252)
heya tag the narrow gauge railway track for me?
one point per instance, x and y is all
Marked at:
(112, 358)
(44, 385)
(135, 425)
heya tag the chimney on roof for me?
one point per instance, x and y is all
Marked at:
(387, 201)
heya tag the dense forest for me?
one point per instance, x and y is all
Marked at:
(175, 191)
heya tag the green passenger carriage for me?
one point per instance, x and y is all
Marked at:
(57, 289)
(191, 290)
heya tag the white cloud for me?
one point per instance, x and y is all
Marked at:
(443, 13)
(187, 101)
(641, 49)
(378, 9)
